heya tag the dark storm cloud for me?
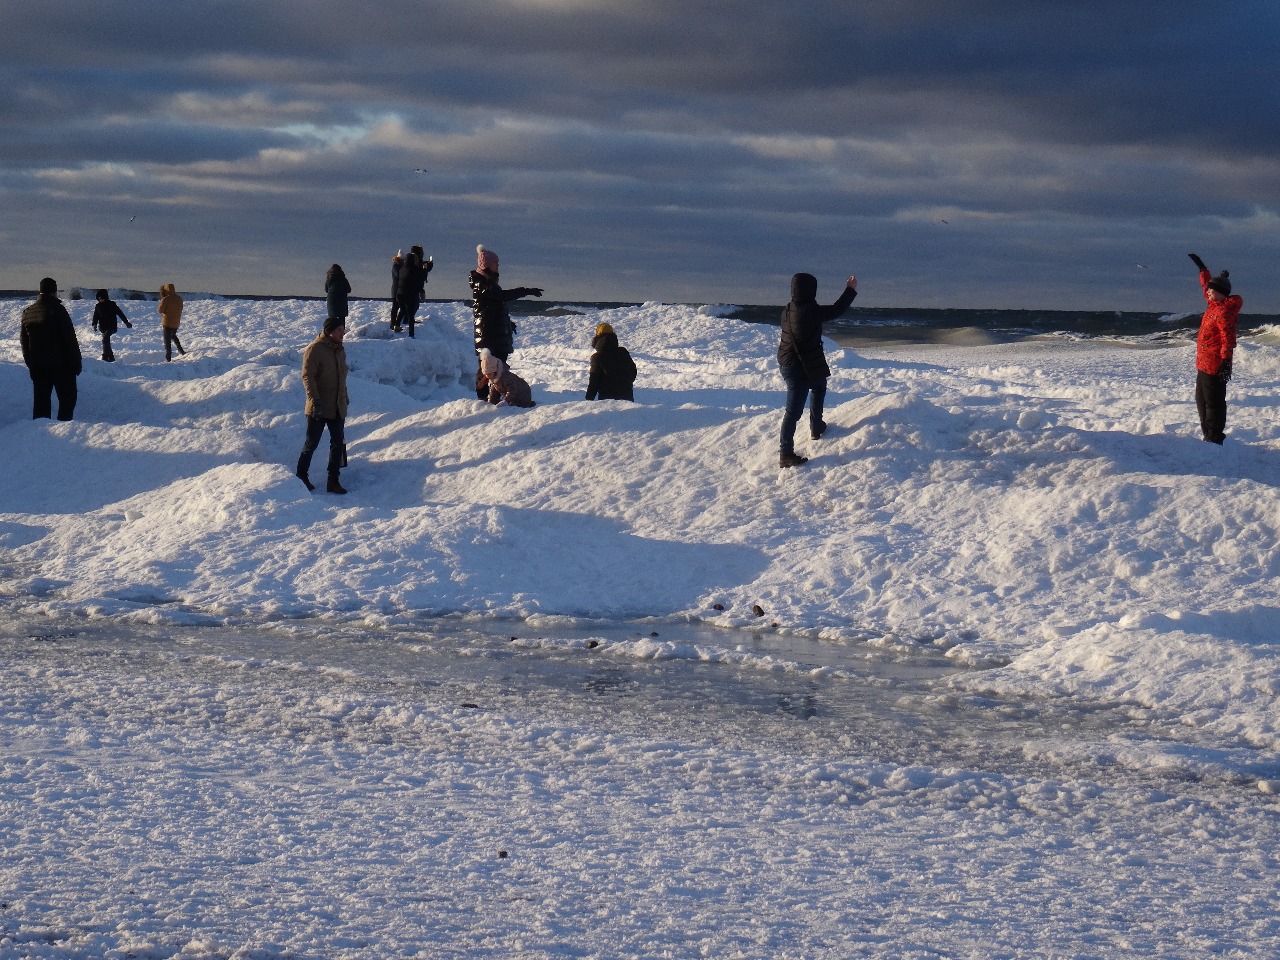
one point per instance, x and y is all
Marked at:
(642, 148)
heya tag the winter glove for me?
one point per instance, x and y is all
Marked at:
(128, 324)
(1224, 371)
(1197, 261)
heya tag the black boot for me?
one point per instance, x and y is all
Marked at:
(335, 486)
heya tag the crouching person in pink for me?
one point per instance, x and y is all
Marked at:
(504, 386)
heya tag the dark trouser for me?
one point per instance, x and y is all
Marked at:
(395, 312)
(1211, 402)
(170, 341)
(42, 387)
(799, 388)
(315, 427)
(107, 354)
(408, 311)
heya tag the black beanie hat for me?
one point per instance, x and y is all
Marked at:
(1221, 283)
(332, 324)
(49, 285)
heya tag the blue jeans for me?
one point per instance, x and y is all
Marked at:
(799, 389)
(315, 428)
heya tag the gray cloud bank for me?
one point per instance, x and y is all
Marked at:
(966, 154)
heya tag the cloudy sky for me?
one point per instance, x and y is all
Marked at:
(1014, 154)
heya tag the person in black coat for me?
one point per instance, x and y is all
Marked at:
(801, 361)
(411, 288)
(613, 372)
(336, 290)
(396, 263)
(51, 352)
(105, 314)
(494, 330)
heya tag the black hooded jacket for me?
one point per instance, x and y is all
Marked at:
(802, 320)
(613, 372)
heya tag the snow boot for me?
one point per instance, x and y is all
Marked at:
(335, 486)
(791, 460)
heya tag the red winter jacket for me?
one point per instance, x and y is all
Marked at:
(1217, 337)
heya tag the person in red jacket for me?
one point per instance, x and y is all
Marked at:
(1214, 346)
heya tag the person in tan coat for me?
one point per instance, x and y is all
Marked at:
(171, 314)
(324, 378)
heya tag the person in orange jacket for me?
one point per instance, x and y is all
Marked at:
(170, 309)
(1215, 344)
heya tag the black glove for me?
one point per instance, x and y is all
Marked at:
(513, 329)
(426, 267)
(1197, 261)
(536, 291)
(1224, 371)
(128, 324)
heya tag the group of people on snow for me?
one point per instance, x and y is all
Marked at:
(804, 370)
(51, 351)
(324, 363)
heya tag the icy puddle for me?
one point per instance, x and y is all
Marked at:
(894, 703)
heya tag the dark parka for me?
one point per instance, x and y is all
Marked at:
(802, 320)
(613, 372)
(336, 290)
(493, 326)
(48, 338)
(411, 280)
(324, 377)
(105, 315)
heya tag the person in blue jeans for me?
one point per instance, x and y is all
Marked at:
(801, 361)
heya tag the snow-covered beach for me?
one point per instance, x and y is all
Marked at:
(1039, 516)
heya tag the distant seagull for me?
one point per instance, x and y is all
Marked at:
(942, 221)
(1142, 266)
(419, 170)
(133, 218)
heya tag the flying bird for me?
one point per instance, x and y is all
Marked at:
(133, 218)
(1142, 266)
(419, 170)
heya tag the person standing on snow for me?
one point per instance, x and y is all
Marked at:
(613, 373)
(411, 287)
(105, 314)
(801, 361)
(170, 309)
(396, 263)
(324, 378)
(336, 290)
(1215, 344)
(51, 352)
(494, 330)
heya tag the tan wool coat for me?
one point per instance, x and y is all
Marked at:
(324, 377)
